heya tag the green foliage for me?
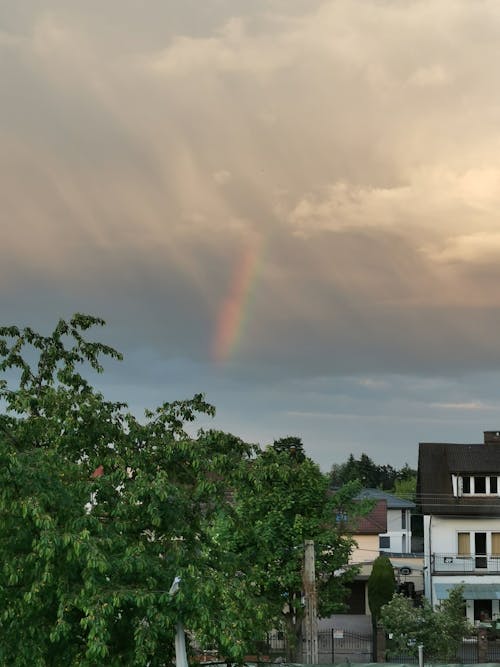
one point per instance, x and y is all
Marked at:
(87, 560)
(439, 630)
(292, 445)
(283, 501)
(369, 474)
(452, 625)
(100, 511)
(381, 586)
(406, 488)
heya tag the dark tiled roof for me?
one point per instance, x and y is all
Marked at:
(436, 464)
(474, 458)
(393, 502)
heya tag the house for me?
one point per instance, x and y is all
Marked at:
(459, 490)
(367, 531)
(396, 538)
(386, 529)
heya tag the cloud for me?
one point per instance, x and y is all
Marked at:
(471, 405)
(476, 248)
(433, 75)
(357, 140)
(222, 177)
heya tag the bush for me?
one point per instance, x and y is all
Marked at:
(440, 630)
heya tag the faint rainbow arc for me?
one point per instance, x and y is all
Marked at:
(234, 308)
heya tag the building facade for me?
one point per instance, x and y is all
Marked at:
(459, 491)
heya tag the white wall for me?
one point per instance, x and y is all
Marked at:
(400, 538)
(444, 531)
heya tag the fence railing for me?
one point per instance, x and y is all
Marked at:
(452, 563)
(334, 645)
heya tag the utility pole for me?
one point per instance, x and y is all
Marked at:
(311, 613)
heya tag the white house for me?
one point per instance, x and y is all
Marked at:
(396, 538)
(459, 491)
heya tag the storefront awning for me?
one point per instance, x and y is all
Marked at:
(470, 591)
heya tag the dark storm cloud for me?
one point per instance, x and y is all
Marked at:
(144, 150)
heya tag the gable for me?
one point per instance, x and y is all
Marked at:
(438, 462)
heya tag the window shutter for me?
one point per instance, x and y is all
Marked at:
(464, 544)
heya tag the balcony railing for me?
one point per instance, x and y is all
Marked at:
(458, 564)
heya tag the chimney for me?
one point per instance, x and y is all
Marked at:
(491, 437)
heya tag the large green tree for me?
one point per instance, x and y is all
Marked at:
(99, 512)
(285, 499)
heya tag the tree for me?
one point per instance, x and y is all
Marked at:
(99, 512)
(451, 625)
(408, 625)
(439, 630)
(292, 445)
(369, 474)
(381, 587)
(282, 501)
(406, 488)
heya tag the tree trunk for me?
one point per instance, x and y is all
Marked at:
(374, 639)
(293, 631)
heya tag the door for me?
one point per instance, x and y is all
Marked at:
(480, 550)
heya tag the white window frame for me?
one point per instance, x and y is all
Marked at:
(472, 543)
(457, 484)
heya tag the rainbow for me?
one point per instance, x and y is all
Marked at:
(232, 312)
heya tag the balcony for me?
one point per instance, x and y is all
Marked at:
(458, 564)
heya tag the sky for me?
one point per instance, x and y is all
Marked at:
(289, 205)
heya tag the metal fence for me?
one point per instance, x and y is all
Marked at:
(452, 563)
(343, 646)
(334, 645)
(467, 654)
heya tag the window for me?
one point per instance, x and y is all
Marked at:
(403, 519)
(479, 546)
(482, 610)
(495, 545)
(463, 544)
(384, 542)
(479, 484)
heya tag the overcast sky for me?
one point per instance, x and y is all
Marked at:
(290, 205)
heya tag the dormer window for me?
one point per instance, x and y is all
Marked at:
(475, 485)
(479, 485)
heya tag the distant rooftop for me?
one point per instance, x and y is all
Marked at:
(393, 502)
